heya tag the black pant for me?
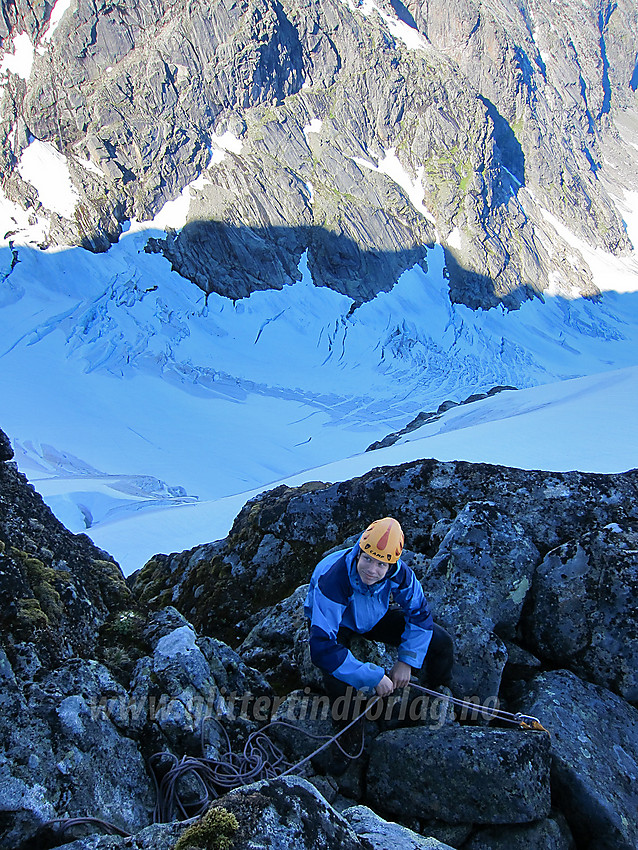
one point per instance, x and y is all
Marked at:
(439, 659)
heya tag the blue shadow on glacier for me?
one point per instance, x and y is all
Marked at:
(235, 261)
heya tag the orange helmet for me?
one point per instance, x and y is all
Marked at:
(383, 539)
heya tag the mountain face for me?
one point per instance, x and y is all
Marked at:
(361, 133)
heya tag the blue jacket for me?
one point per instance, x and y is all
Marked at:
(337, 597)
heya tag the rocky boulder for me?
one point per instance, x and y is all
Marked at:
(581, 603)
(386, 835)
(551, 833)
(594, 743)
(279, 646)
(77, 741)
(160, 836)
(287, 812)
(228, 587)
(6, 450)
(291, 529)
(477, 583)
(185, 680)
(63, 756)
(280, 813)
(461, 775)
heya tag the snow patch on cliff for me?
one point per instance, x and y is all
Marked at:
(20, 61)
(47, 170)
(390, 164)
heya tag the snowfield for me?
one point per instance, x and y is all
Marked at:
(589, 424)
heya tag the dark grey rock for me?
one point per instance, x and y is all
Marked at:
(185, 681)
(477, 584)
(461, 774)
(214, 585)
(484, 556)
(305, 724)
(552, 833)
(287, 812)
(424, 417)
(594, 740)
(327, 787)
(63, 754)
(58, 588)
(386, 835)
(278, 645)
(447, 833)
(6, 450)
(581, 614)
(160, 836)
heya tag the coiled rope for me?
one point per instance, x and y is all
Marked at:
(260, 759)
(64, 824)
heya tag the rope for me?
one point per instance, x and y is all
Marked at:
(524, 721)
(334, 740)
(67, 823)
(260, 759)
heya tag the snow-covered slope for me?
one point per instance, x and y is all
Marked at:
(589, 424)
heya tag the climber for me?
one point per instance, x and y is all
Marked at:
(351, 593)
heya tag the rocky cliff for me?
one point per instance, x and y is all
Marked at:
(58, 588)
(359, 132)
(533, 573)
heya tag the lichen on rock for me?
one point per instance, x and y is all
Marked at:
(215, 830)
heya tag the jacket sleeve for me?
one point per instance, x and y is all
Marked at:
(325, 650)
(418, 619)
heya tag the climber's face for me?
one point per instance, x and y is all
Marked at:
(370, 569)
